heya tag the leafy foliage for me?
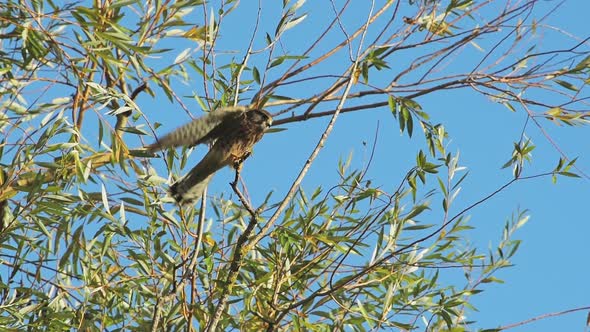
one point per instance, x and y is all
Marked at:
(90, 241)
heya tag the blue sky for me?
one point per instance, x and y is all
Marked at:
(549, 274)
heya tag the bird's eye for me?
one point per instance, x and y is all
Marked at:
(259, 117)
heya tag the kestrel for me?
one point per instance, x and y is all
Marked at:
(233, 132)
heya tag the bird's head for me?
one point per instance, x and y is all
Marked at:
(261, 118)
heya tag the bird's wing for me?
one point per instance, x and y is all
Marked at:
(201, 130)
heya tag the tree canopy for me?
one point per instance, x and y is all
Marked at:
(91, 241)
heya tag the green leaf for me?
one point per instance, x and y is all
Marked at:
(417, 210)
(365, 71)
(292, 23)
(410, 125)
(492, 279)
(391, 101)
(277, 62)
(569, 174)
(256, 75)
(567, 85)
(417, 227)
(122, 3)
(134, 130)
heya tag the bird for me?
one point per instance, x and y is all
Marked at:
(232, 131)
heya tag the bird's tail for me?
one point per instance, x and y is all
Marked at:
(192, 186)
(184, 193)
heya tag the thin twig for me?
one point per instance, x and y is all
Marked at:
(544, 316)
